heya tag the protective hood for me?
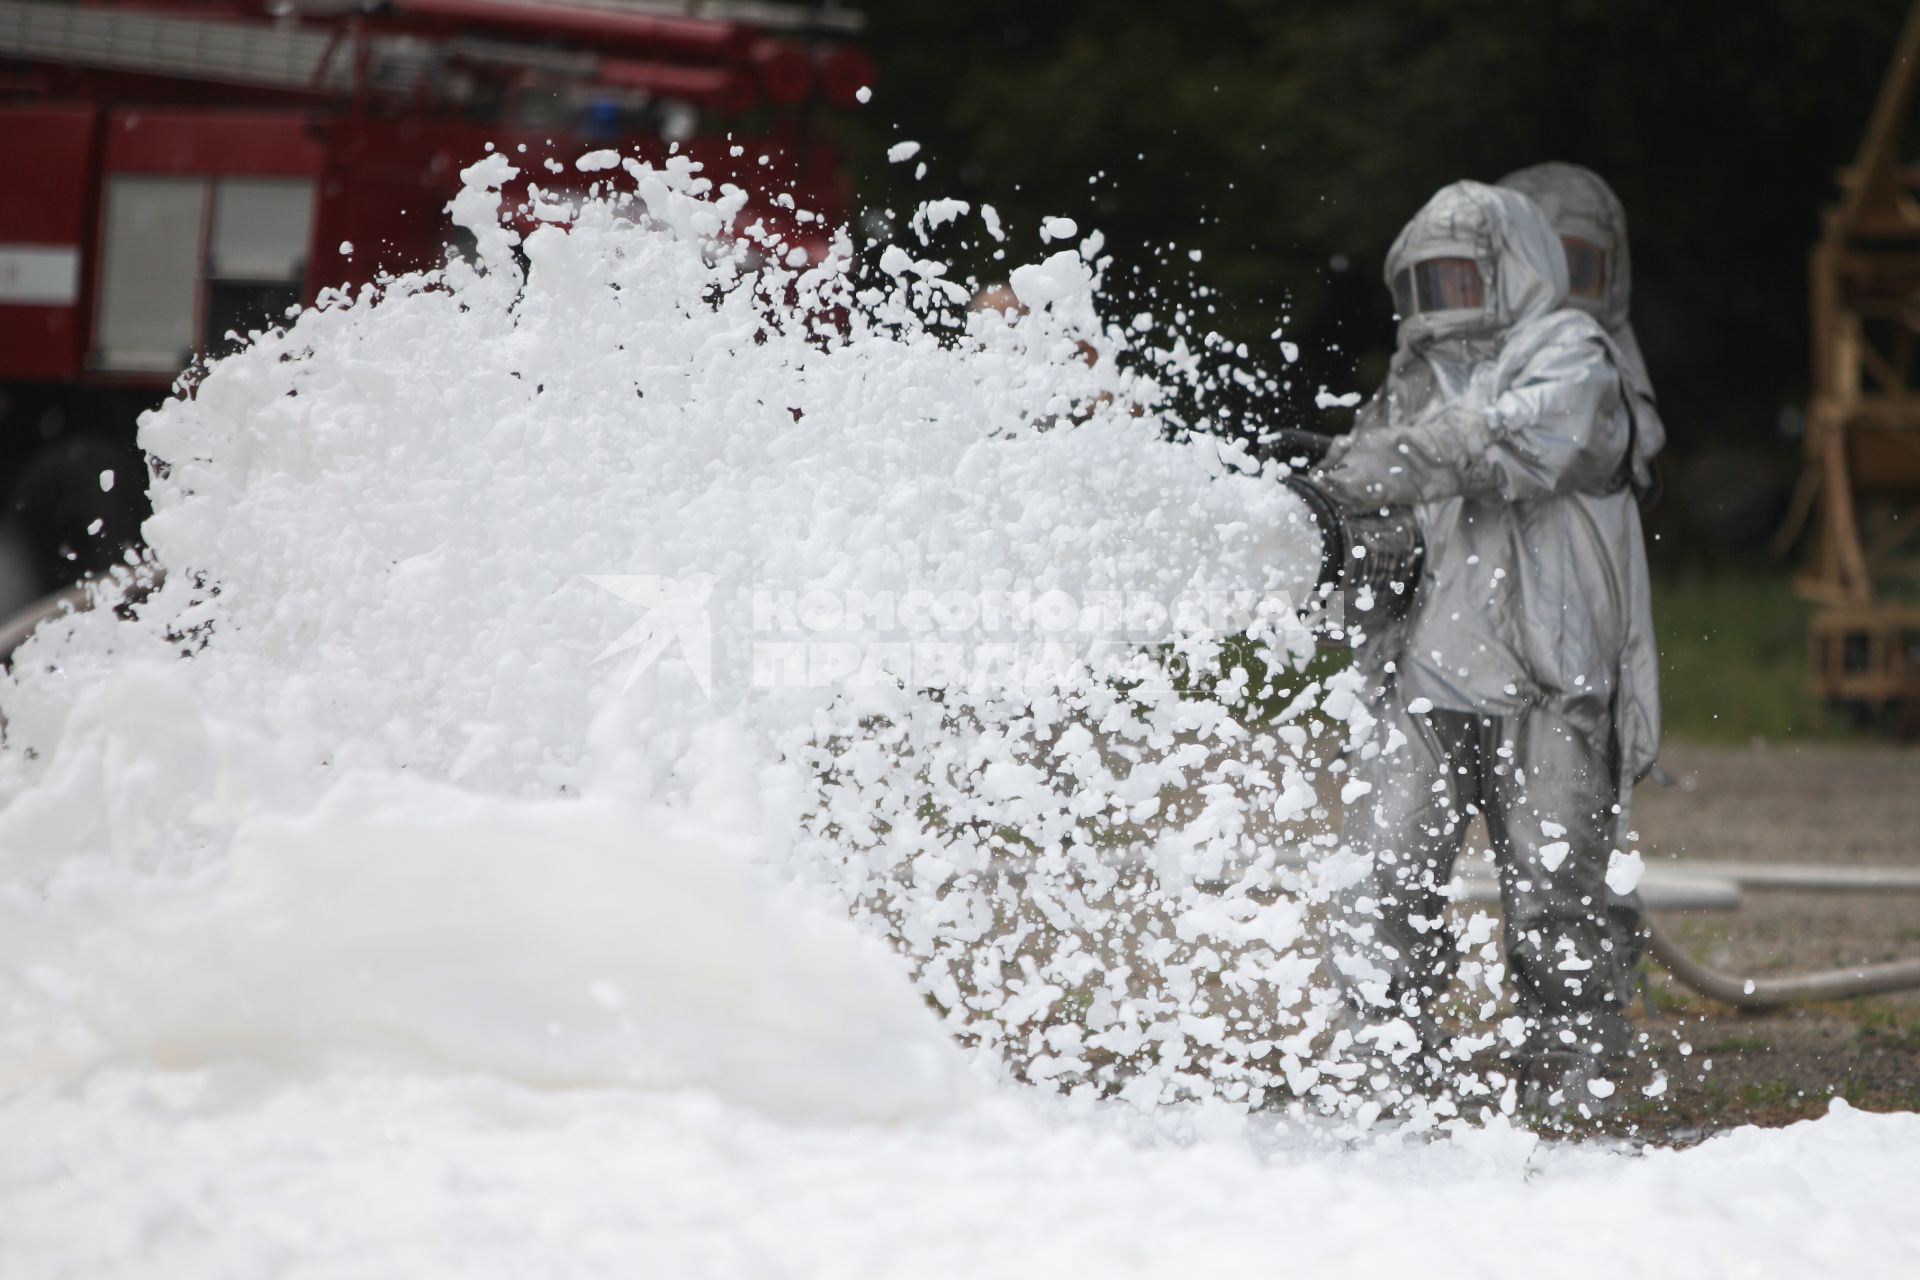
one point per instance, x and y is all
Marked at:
(1580, 204)
(1523, 271)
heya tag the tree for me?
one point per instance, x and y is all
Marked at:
(1289, 142)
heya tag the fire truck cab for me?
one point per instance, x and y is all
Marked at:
(180, 172)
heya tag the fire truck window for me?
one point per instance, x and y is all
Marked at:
(261, 227)
(150, 268)
(256, 254)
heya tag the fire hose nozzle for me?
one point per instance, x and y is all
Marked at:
(1370, 561)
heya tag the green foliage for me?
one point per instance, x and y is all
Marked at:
(1289, 141)
(1733, 658)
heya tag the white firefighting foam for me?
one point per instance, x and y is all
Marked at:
(351, 912)
(399, 534)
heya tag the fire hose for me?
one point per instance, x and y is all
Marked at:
(1754, 994)
(1372, 562)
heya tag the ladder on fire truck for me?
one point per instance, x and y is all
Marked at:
(1859, 492)
(214, 48)
(301, 46)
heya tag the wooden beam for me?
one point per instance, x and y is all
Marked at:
(1871, 198)
(1843, 525)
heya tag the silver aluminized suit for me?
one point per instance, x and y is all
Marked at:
(1505, 424)
(1580, 204)
(1584, 209)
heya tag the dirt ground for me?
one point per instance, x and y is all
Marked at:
(1843, 805)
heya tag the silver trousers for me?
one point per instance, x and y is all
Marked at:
(1546, 788)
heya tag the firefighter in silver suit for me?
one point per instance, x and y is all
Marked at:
(1505, 424)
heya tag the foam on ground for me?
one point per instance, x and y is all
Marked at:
(219, 1174)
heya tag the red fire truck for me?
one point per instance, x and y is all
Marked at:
(173, 172)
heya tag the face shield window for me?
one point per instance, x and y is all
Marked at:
(1440, 284)
(1586, 267)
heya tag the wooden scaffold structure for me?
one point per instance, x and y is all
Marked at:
(1859, 493)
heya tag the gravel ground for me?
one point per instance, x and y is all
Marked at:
(1841, 805)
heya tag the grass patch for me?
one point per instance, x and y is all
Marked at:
(1733, 658)
(1738, 1044)
(1882, 1024)
(1774, 1096)
(1875, 1097)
